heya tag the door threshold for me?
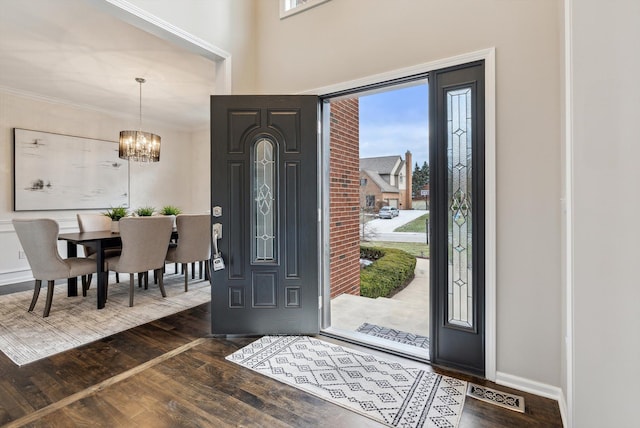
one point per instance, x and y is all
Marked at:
(383, 345)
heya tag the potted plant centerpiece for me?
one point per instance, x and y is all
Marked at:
(116, 213)
(171, 210)
(145, 211)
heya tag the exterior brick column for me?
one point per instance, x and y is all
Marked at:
(344, 197)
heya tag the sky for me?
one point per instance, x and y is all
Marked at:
(395, 121)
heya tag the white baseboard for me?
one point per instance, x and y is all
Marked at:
(537, 388)
(14, 277)
(564, 412)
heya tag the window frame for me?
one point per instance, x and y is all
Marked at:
(287, 10)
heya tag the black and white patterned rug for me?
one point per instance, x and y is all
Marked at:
(386, 391)
(395, 335)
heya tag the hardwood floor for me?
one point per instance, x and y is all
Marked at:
(170, 373)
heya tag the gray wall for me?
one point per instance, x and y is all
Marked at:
(606, 205)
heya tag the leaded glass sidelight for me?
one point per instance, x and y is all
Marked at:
(459, 149)
(264, 176)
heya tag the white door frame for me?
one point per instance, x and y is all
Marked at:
(488, 55)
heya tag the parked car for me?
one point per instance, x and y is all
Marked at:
(388, 212)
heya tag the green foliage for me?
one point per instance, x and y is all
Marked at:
(116, 213)
(419, 177)
(170, 210)
(391, 269)
(145, 211)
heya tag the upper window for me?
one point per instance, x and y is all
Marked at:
(291, 7)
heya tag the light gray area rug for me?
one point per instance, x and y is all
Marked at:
(26, 337)
(391, 393)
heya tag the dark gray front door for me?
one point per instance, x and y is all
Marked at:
(264, 179)
(456, 154)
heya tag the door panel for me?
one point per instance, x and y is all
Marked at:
(457, 216)
(264, 177)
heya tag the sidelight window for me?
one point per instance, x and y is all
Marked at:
(459, 150)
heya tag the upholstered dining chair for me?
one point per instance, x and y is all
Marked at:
(144, 247)
(39, 240)
(91, 222)
(194, 243)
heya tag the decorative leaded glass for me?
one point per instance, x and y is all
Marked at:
(264, 197)
(460, 290)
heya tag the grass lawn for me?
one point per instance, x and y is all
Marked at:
(417, 225)
(416, 249)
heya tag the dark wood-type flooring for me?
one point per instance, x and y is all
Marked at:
(171, 373)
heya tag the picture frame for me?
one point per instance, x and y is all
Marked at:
(53, 172)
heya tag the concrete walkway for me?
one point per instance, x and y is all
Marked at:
(408, 310)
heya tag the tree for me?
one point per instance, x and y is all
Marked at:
(420, 177)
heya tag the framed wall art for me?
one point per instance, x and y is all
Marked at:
(63, 172)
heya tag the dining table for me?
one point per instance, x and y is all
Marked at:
(99, 241)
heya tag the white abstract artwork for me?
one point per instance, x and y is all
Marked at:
(62, 172)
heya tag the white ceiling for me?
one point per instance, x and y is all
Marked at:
(68, 50)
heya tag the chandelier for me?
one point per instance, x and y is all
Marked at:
(138, 145)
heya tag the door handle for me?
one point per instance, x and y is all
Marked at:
(217, 230)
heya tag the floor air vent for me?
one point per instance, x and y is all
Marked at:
(499, 398)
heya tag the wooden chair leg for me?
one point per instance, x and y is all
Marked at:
(193, 270)
(185, 268)
(36, 293)
(131, 283)
(207, 270)
(175, 267)
(47, 306)
(146, 279)
(117, 277)
(161, 285)
(139, 279)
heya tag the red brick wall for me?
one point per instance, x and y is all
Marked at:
(344, 197)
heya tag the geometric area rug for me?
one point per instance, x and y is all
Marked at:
(389, 392)
(26, 337)
(394, 335)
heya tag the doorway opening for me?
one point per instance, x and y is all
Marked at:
(455, 308)
(378, 217)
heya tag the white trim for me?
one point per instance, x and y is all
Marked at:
(537, 388)
(150, 23)
(286, 11)
(490, 167)
(568, 341)
(403, 72)
(562, 403)
(529, 385)
(10, 277)
(488, 55)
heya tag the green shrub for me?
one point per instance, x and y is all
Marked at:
(390, 270)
